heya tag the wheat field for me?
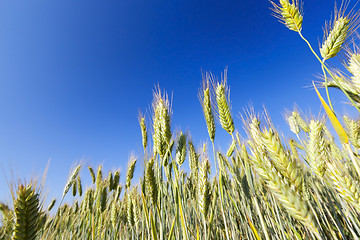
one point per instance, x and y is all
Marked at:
(262, 187)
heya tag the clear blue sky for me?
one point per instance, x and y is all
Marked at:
(74, 74)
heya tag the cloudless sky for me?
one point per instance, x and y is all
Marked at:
(74, 74)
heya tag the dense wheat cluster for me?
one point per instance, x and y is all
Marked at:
(262, 187)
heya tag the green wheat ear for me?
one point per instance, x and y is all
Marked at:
(27, 213)
(130, 172)
(206, 103)
(143, 130)
(161, 122)
(181, 149)
(223, 105)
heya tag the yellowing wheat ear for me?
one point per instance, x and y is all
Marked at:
(289, 14)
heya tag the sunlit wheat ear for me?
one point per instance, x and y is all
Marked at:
(292, 201)
(338, 31)
(266, 168)
(316, 148)
(27, 213)
(257, 148)
(286, 166)
(353, 66)
(114, 214)
(231, 149)
(347, 187)
(161, 122)
(150, 181)
(340, 81)
(181, 149)
(130, 172)
(335, 38)
(101, 198)
(223, 105)
(129, 210)
(193, 157)
(206, 103)
(143, 130)
(204, 188)
(71, 179)
(289, 14)
(293, 124)
(136, 208)
(300, 121)
(99, 177)
(353, 130)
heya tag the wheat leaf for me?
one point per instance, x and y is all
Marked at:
(333, 119)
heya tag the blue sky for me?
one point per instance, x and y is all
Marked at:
(74, 74)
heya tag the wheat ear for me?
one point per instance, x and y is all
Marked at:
(316, 149)
(335, 38)
(194, 157)
(347, 187)
(150, 181)
(289, 14)
(223, 106)
(205, 100)
(130, 172)
(204, 188)
(161, 123)
(180, 154)
(354, 68)
(27, 213)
